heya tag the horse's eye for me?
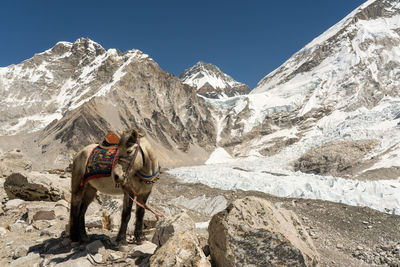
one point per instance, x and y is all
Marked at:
(130, 151)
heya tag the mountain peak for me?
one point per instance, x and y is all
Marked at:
(211, 82)
(351, 65)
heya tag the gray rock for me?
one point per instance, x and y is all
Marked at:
(43, 215)
(60, 212)
(94, 247)
(15, 227)
(13, 204)
(114, 256)
(169, 226)
(62, 203)
(145, 248)
(78, 261)
(253, 232)
(31, 259)
(19, 252)
(94, 222)
(3, 231)
(180, 250)
(29, 229)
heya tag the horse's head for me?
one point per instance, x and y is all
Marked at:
(136, 157)
(129, 160)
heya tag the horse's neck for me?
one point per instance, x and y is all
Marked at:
(150, 165)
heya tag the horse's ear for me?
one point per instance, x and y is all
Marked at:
(132, 138)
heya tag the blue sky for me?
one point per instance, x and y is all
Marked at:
(246, 39)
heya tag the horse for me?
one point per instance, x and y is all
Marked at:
(135, 170)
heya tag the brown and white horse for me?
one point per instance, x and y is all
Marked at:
(135, 170)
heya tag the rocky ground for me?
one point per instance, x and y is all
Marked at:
(32, 232)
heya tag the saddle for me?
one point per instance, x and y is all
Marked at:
(102, 158)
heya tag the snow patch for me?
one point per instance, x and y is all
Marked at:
(219, 156)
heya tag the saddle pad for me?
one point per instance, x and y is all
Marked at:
(100, 163)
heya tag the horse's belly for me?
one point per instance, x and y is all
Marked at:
(106, 186)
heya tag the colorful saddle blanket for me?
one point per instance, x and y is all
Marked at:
(100, 163)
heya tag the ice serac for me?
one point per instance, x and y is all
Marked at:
(211, 82)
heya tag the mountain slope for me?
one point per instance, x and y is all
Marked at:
(211, 82)
(89, 91)
(342, 86)
(353, 64)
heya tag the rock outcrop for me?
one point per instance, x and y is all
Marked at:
(252, 231)
(335, 158)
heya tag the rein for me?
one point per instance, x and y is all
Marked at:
(141, 203)
(144, 178)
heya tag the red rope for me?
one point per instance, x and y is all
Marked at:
(143, 205)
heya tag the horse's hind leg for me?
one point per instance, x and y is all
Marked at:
(87, 198)
(125, 217)
(139, 236)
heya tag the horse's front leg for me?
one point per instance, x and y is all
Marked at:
(76, 200)
(125, 217)
(88, 196)
(139, 236)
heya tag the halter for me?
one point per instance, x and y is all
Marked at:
(148, 179)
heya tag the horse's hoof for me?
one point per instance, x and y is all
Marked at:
(140, 239)
(118, 241)
(85, 239)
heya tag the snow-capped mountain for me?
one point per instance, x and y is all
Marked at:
(344, 85)
(43, 88)
(211, 82)
(82, 90)
(354, 64)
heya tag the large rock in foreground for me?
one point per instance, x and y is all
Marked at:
(252, 231)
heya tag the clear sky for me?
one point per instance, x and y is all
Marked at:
(245, 39)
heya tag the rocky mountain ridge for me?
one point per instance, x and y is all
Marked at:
(211, 82)
(80, 91)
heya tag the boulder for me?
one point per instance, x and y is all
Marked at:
(36, 186)
(169, 226)
(181, 249)
(253, 232)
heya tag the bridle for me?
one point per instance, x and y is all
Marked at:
(146, 179)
